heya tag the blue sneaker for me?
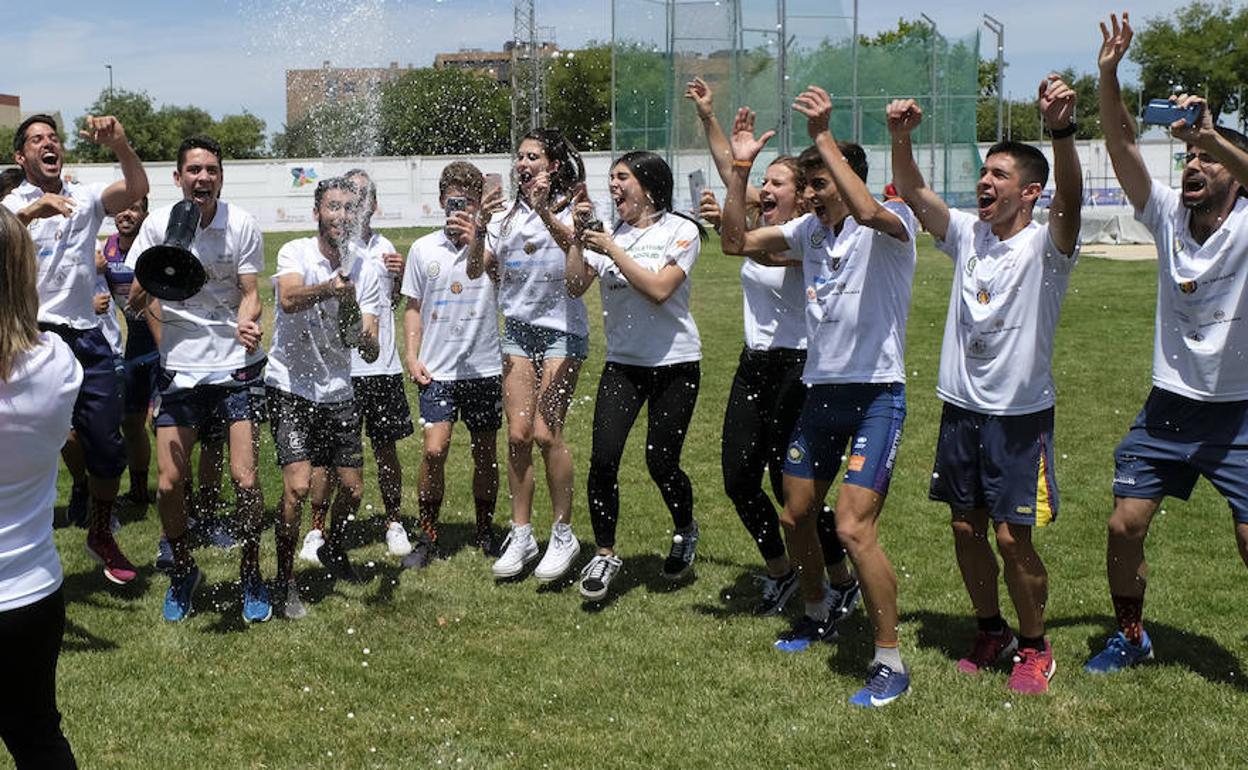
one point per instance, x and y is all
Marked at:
(178, 597)
(884, 686)
(805, 632)
(1118, 654)
(256, 605)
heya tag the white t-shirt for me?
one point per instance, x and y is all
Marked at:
(388, 359)
(640, 332)
(1201, 332)
(307, 357)
(531, 266)
(458, 316)
(997, 356)
(774, 301)
(35, 409)
(65, 250)
(857, 298)
(198, 334)
(108, 320)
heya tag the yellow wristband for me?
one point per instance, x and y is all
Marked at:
(743, 163)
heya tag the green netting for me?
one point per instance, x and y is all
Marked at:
(735, 45)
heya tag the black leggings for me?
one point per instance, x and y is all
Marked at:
(672, 392)
(30, 642)
(763, 406)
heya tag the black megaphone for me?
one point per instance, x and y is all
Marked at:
(170, 271)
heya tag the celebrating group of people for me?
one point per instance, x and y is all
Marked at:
(820, 382)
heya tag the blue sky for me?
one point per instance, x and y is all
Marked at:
(230, 55)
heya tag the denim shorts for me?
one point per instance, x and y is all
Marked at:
(537, 342)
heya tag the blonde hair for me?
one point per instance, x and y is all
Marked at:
(19, 300)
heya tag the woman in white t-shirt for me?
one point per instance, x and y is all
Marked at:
(545, 339)
(39, 381)
(653, 352)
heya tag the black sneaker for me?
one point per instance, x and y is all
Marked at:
(487, 542)
(78, 509)
(680, 558)
(804, 633)
(776, 593)
(336, 561)
(842, 600)
(422, 555)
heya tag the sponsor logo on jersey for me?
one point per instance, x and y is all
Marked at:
(817, 238)
(433, 269)
(857, 462)
(456, 287)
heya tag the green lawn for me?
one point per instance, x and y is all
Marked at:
(443, 668)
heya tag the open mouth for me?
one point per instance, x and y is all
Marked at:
(201, 196)
(525, 177)
(1193, 186)
(985, 201)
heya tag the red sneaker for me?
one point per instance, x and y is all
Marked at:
(105, 550)
(988, 649)
(1033, 669)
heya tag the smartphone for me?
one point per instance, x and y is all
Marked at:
(697, 183)
(456, 203)
(493, 181)
(1163, 112)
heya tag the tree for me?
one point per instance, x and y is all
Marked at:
(146, 131)
(578, 96)
(241, 136)
(1200, 51)
(331, 129)
(444, 112)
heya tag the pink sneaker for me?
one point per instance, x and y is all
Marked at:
(1032, 670)
(988, 650)
(105, 550)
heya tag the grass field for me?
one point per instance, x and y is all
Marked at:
(443, 668)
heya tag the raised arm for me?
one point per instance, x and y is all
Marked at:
(133, 185)
(1116, 120)
(903, 116)
(736, 239)
(816, 105)
(539, 196)
(295, 297)
(703, 98)
(1057, 105)
(481, 259)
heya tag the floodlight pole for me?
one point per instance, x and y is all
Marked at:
(997, 28)
(932, 149)
(109, 67)
(853, 53)
(782, 71)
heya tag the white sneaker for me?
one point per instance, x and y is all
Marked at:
(396, 540)
(518, 549)
(561, 551)
(597, 576)
(311, 542)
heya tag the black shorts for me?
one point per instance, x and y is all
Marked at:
(478, 402)
(382, 404)
(326, 435)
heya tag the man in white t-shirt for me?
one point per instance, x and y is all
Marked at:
(994, 459)
(211, 361)
(64, 218)
(380, 397)
(328, 302)
(1195, 421)
(452, 352)
(858, 262)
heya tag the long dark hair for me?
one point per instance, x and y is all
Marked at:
(569, 170)
(655, 177)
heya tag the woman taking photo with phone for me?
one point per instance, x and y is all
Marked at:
(545, 339)
(39, 381)
(653, 352)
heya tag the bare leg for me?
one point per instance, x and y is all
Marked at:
(553, 398)
(1025, 577)
(803, 500)
(520, 406)
(431, 482)
(976, 561)
(389, 479)
(857, 518)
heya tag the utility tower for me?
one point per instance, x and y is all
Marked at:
(528, 100)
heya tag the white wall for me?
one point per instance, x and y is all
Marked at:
(408, 186)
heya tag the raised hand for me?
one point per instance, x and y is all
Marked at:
(708, 209)
(461, 229)
(340, 286)
(1057, 102)
(599, 241)
(816, 105)
(1202, 134)
(539, 191)
(105, 130)
(490, 204)
(1115, 40)
(903, 116)
(50, 205)
(703, 98)
(744, 145)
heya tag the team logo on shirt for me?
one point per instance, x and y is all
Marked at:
(817, 237)
(982, 296)
(795, 453)
(530, 247)
(1218, 315)
(433, 269)
(970, 265)
(295, 439)
(456, 287)
(1187, 287)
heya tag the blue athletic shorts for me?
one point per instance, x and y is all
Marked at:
(868, 415)
(1004, 464)
(478, 402)
(537, 342)
(209, 409)
(140, 382)
(1175, 440)
(99, 406)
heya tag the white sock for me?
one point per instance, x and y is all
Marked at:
(891, 657)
